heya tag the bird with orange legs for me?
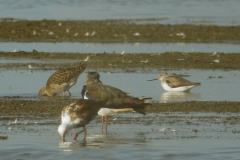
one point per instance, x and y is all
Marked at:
(95, 90)
(82, 112)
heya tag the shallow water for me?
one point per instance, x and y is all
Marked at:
(223, 86)
(219, 12)
(155, 136)
(77, 47)
(130, 136)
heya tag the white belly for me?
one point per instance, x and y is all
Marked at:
(178, 89)
(106, 112)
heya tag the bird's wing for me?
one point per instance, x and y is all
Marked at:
(65, 75)
(102, 92)
(176, 81)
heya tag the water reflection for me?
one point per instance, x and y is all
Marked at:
(170, 137)
(102, 141)
(91, 142)
(212, 89)
(179, 96)
(67, 145)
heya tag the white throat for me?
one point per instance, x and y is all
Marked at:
(85, 95)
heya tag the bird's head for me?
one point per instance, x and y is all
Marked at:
(93, 77)
(160, 77)
(43, 92)
(62, 130)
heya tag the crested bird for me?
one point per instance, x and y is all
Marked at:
(95, 90)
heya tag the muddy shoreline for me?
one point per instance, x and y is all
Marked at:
(127, 62)
(112, 31)
(46, 108)
(115, 31)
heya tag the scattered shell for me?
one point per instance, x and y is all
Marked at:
(30, 67)
(214, 53)
(163, 129)
(136, 34)
(15, 50)
(144, 61)
(86, 59)
(93, 33)
(181, 34)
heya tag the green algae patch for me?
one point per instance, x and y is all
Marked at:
(195, 106)
(113, 30)
(46, 108)
(132, 62)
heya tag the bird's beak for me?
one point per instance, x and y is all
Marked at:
(99, 81)
(153, 79)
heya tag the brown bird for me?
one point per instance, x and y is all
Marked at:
(61, 81)
(82, 112)
(173, 82)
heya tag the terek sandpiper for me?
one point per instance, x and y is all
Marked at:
(61, 81)
(173, 82)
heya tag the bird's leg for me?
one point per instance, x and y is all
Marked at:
(85, 135)
(106, 121)
(64, 94)
(69, 93)
(76, 135)
(63, 139)
(102, 121)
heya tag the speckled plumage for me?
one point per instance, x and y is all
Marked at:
(173, 82)
(78, 114)
(61, 81)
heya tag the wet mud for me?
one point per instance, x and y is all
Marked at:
(53, 107)
(145, 62)
(113, 30)
(119, 31)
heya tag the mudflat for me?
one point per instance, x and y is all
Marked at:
(122, 30)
